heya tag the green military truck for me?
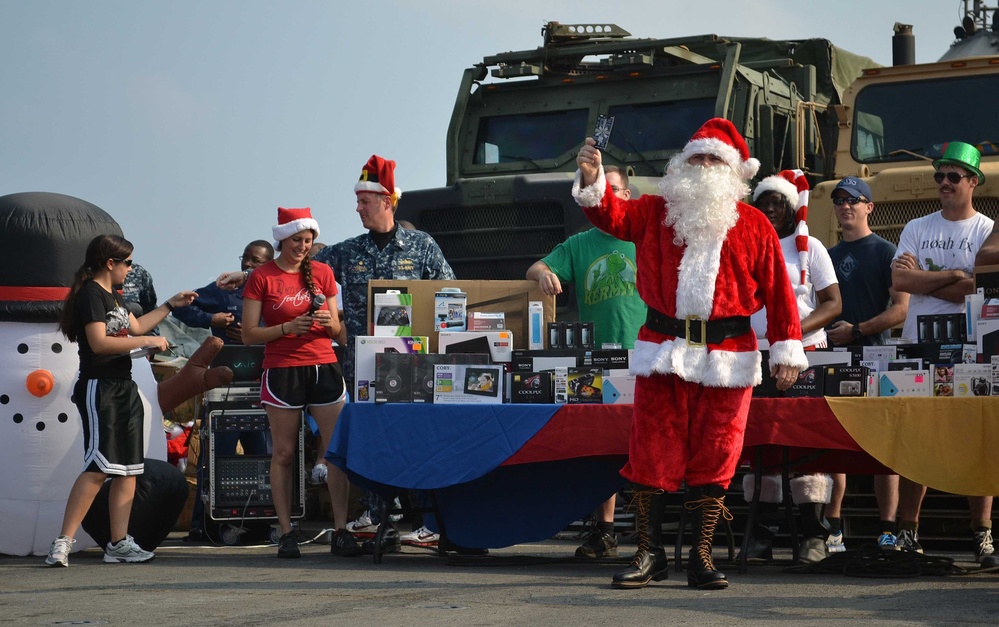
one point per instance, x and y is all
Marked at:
(520, 117)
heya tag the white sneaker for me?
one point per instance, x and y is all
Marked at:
(59, 551)
(983, 544)
(834, 543)
(319, 472)
(363, 525)
(421, 537)
(126, 551)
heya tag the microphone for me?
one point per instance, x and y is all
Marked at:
(318, 301)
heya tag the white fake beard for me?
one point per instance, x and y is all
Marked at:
(701, 201)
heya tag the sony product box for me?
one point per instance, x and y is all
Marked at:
(946, 328)
(365, 349)
(904, 383)
(987, 339)
(619, 387)
(394, 378)
(584, 385)
(810, 383)
(943, 379)
(972, 379)
(554, 341)
(486, 321)
(449, 310)
(393, 314)
(824, 357)
(497, 344)
(424, 371)
(532, 387)
(846, 381)
(468, 384)
(610, 358)
(538, 360)
(987, 281)
(585, 338)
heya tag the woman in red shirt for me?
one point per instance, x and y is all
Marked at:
(281, 311)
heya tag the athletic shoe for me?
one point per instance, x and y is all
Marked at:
(887, 541)
(421, 537)
(318, 476)
(288, 546)
(983, 545)
(908, 540)
(599, 544)
(59, 551)
(363, 527)
(126, 551)
(344, 544)
(390, 543)
(396, 506)
(834, 543)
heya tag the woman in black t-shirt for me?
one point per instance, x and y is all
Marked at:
(94, 316)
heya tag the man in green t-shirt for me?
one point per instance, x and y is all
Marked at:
(603, 270)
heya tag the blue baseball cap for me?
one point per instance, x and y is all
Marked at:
(855, 187)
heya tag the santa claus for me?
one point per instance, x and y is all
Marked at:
(706, 262)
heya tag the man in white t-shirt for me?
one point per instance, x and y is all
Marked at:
(935, 263)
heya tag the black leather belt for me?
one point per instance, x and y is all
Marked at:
(697, 331)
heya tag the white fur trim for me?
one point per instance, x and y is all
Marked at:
(371, 186)
(811, 489)
(591, 195)
(712, 146)
(698, 273)
(714, 368)
(771, 490)
(749, 168)
(782, 186)
(788, 353)
(286, 230)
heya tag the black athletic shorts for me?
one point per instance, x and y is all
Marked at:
(298, 386)
(113, 429)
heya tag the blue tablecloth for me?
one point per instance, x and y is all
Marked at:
(459, 451)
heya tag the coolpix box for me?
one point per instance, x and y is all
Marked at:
(394, 314)
(449, 310)
(365, 349)
(498, 344)
(394, 377)
(619, 387)
(585, 385)
(846, 381)
(972, 379)
(423, 372)
(904, 383)
(468, 384)
(810, 383)
(531, 387)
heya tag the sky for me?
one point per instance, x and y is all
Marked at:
(190, 122)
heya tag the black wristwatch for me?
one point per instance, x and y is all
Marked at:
(857, 334)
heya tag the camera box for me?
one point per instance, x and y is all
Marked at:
(846, 381)
(531, 387)
(810, 383)
(393, 377)
(498, 344)
(619, 387)
(468, 384)
(365, 349)
(560, 379)
(394, 314)
(424, 371)
(904, 383)
(972, 379)
(449, 310)
(584, 385)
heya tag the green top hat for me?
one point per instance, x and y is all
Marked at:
(964, 156)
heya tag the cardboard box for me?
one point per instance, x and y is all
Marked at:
(424, 371)
(450, 310)
(365, 349)
(468, 384)
(810, 383)
(846, 380)
(943, 379)
(498, 344)
(560, 384)
(987, 279)
(510, 297)
(585, 385)
(538, 360)
(972, 379)
(532, 387)
(393, 314)
(485, 321)
(904, 383)
(619, 387)
(829, 358)
(987, 339)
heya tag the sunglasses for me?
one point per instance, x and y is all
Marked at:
(850, 200)
(953, 177)
(127, 262)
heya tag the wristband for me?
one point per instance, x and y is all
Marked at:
(168, 305)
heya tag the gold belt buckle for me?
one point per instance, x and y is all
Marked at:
(704, 330)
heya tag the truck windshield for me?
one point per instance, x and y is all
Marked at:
(659, 125)
(529, 137)
(903, 121)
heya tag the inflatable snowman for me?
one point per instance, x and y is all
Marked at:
(44, 238)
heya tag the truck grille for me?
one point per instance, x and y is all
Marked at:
(889, 218)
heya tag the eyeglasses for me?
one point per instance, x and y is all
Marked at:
(953, 177)
(127, 262)
(256, 260)
(839, 201)
(616, 189)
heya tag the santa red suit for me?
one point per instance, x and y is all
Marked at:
(691, 401)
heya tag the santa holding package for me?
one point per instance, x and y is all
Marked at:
(706, 262)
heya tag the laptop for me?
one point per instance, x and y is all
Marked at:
(246, 362)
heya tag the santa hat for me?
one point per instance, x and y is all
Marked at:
(719, 137)
(291, 221)
(378, 176)
(793, 186)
